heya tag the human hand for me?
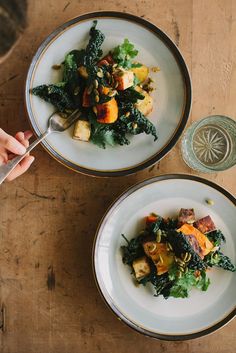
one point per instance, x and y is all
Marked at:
(10, 146)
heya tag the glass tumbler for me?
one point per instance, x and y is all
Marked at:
(209, 145)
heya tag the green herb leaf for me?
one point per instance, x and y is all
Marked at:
(122, 54)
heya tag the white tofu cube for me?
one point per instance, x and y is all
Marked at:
(141, 267)
(82, 130)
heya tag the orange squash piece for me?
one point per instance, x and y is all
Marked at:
(204, 243)
(151, 219)
(107, 113)
(160, 255)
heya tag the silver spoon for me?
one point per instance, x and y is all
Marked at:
(55, 124)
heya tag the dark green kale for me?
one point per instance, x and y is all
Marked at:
(55, 94)
(153, 227)
(122, 54)
(220, 260)
(71, 63)
(182, 285)
(93, 50)
(133, 250)
(216, 237)
(161, 283)
(129, 95)
(180, 245)
(168, 224)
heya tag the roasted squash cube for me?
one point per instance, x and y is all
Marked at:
(107, 113)
(141, 72)
(203, 245)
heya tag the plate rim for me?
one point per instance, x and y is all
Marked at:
(167, 337)
(179, 59)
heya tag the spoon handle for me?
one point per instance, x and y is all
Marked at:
(7, 168)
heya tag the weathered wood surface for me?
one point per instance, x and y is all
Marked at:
(48, 217)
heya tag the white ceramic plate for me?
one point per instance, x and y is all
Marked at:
(172, 97)
(172, 319)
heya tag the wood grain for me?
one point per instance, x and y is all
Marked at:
(49, 216)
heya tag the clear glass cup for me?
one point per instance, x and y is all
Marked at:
(209, 145)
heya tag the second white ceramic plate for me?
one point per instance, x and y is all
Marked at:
(172, 97)
(171, 319)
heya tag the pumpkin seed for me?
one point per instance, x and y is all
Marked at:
(56, 66)
(95, 91)
(116, 84)
(114, 66)
(96, 98)
(170, 246)
(89, 90)
(210, 202)
(76, 90)
(185, 256)
(188, 258)
(127, 114)
(181, 268)
(179, 274)
(95, 110)
(158, 238)
(108, 75)
(95, 83)
(152, 248)
(112, 93)
(100, 74)
(161, 259)
(135, 126)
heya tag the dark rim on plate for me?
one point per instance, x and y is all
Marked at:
(109, 302)
(175, 51)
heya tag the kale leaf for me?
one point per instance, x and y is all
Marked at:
(93, 50)
(180, 245)
(216, 237)
(122, 54)
(129, 95)
(220, 260)
(55, 94)
(132, 250)
(71, 63)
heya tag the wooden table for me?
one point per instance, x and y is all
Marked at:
(49, 216)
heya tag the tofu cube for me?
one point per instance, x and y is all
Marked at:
(205, 225)
(124, 78)
(82, 130)
(186, 215)
(141, 267)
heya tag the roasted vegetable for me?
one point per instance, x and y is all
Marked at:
(186, 215)
(107, 113)
(204, 245)
(205, 225)
(123, 78)
(145, 105)
(141, 72)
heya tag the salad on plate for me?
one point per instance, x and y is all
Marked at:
(174, 255)
(112, 92)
